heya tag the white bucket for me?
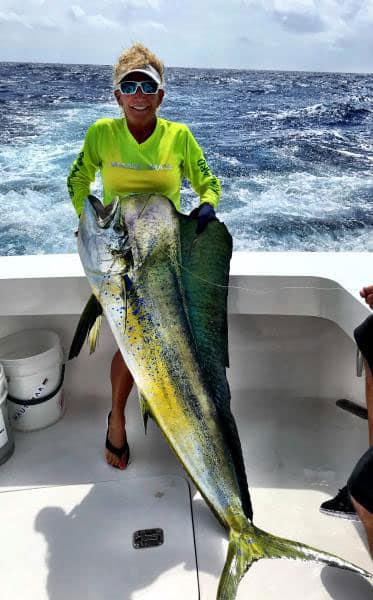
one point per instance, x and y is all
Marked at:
(6, 435)
(33, 364)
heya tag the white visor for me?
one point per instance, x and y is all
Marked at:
(148, 70)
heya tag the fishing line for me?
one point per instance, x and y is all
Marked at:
(255, 290)
(237, 287)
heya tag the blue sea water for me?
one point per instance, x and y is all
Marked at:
(293, 150)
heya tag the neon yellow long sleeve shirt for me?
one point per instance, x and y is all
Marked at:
(155, 166)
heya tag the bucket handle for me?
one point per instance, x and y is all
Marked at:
(33, 401)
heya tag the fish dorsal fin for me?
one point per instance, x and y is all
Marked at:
(88, 326)
(205, 275)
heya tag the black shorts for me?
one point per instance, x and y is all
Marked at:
(360, 484)
(364, 338)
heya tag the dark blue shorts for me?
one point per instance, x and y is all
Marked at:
(360, 484)
(364, 338)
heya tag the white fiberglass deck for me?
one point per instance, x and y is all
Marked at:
(286, 373)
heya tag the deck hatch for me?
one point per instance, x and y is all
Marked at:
(148, 538)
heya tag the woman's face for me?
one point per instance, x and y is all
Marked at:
(139, 108)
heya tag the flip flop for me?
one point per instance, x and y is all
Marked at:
(122, 452)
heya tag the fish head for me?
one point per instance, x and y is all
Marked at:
(103, 242)
(152, 222)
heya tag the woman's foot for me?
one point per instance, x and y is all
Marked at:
(117, 451)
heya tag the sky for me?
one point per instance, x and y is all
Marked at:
(306, 35)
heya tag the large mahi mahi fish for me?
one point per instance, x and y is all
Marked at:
(163, 291)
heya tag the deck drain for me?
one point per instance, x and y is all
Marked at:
(147, 538)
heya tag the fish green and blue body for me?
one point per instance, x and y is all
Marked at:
(163, 291)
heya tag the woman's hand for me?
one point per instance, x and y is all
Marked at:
(367, 294)
(204, 213)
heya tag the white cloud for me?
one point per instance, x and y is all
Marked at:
(153, 4)
(353, 32)
(150, 25)
(77, 11)
(295, 6)
(46, 23)
(13, 17)
(284, 34)
(365, 14)
(30, 22)
(102, 22)
(132, 5)
(95, 21)
(296, 15)
(331, 20)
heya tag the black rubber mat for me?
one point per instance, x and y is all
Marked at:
(352, 407)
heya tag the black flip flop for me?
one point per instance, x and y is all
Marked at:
(122, 452)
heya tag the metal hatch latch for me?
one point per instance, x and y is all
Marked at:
(147, 538)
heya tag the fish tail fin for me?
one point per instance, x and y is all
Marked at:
(254, 544)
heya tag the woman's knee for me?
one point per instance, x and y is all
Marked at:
(117, 358)
(119, 367)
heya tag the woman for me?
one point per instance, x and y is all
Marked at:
(139, 153)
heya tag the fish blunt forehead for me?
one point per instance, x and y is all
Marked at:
(98, 242)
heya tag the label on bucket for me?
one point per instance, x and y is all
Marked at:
(3, 431)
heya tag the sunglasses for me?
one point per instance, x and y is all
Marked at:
(131, 87)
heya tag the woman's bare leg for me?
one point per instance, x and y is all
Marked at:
(121, 382)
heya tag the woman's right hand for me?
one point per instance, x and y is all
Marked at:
(367, 294)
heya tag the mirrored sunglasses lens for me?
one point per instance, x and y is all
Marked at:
(149, 87)
(128, 87)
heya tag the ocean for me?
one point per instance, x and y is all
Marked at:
(293, 151)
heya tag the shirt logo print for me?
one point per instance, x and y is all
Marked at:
(138, 167)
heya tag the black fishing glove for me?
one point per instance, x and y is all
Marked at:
(204, 213)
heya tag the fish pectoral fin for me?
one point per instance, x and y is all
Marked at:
(253, 544)
(145, 409)
(88, 327)
(94, 333)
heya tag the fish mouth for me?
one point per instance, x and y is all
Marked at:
(104, 214)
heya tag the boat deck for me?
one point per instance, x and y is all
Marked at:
(67, 518)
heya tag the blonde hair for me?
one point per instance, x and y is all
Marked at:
(135, 57)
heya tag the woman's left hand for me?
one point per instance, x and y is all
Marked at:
(204, 213)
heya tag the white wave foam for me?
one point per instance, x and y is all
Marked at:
(299, 211)
(347, 241)
(34, 224)
(301, 194)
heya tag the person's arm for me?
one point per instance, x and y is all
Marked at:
(197, 171)
(83, 170)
